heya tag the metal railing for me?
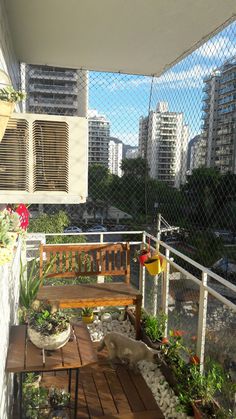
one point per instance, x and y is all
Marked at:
(206, 280)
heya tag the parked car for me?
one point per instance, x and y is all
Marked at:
(97, 228)
(72, 229)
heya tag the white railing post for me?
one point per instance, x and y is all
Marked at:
(100, 278)
(202, 316)
(165, 289)
(142, 275)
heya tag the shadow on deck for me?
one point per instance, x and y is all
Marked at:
(109, 393)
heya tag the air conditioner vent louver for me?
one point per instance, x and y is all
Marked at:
(44, 159)
(14, 153)
(51, 154)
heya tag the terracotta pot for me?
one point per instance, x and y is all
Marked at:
(51, 342)
(198, 414)
(6, 109)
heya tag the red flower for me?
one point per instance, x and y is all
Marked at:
(178, 333)
(194, 360)
(24, 216)
(165, 341)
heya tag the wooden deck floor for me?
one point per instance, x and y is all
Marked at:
(110, 393)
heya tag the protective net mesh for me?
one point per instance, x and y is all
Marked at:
(156, 145)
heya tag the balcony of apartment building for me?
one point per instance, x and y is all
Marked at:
(52, 88)
(43, 74)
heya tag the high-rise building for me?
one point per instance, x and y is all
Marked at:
(99, 136)
(219, 128)
(197, 153)
(115, 156)
(163, 140)
(54, 90)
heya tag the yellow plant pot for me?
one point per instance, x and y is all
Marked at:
(87, 319)
(6, 109)
(155, 265)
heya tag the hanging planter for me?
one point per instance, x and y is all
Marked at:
(144, 256)
(8, 97)
(6, 110)
(155, 265)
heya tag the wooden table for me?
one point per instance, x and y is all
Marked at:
(24, 357)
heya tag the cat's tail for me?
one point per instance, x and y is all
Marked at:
(101, 345)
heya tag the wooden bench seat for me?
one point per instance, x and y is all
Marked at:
(71, 261)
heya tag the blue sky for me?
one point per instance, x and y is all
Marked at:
(124, 98)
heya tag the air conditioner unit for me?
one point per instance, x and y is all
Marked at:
(44, 159)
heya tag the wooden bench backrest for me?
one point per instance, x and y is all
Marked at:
(70, 261)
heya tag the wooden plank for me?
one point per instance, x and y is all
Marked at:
(144, 391)
(70, 351)
(53, 360)
(67, 253)
(116, 389)
(130, 390)
(137, 415)
(87, 354)
(104, 394)
(16, 350)
(91, 396)
(34, 359)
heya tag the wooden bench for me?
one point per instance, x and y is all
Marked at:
(80, 260)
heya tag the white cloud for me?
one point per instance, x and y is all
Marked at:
(219, 47)
(191, 77)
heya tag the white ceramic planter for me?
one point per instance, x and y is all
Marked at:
(52, 342)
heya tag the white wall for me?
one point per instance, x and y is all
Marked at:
(9, 296)
(8, 61)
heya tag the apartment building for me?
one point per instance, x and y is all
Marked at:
(99, 137)
(54, 90)
(197, 153)
(219, 118)
(115, 156)
(163, 140)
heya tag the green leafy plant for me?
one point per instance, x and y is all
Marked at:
(87, 311)
(9, 94)
(46, 321)
(154, 326)
(196, 386)
(59, 398)
(35, 398)
(9, 222)
(30, 282)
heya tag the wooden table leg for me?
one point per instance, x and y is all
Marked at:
(76, 391)
(20, 394)
(138, 307)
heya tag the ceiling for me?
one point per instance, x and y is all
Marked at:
(128, 36)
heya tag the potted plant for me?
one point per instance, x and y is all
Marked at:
(173, 358)
(153, 329)
(48, 328)
(8, 97)
(60, 401)
(142, 254)
(29, 285)
(197, 390)
(155, 264)
(35, 398)
(9, 224)
(87, 315)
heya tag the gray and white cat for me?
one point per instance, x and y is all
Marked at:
(127, 349)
